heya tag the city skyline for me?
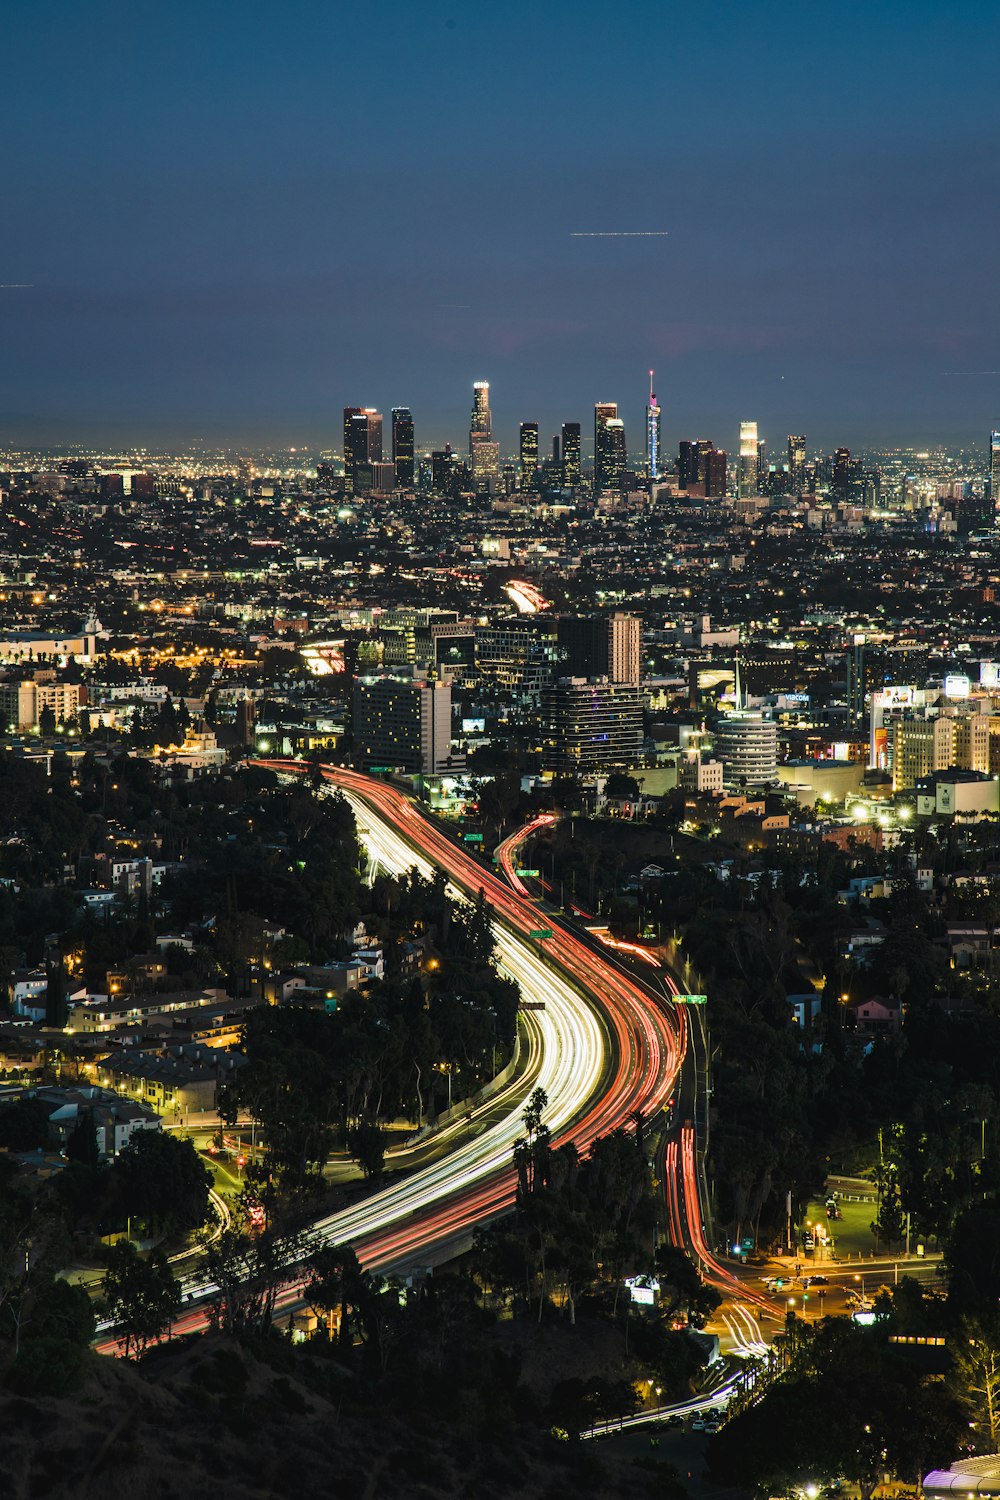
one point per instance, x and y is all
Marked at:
(220, 272)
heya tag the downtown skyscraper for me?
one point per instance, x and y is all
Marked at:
(748, 474)
(796, 462)
(652, 435)
(484, 453)
(610, 458)
(528, 456)
(403, 459)
(571, 468)
(362, 444)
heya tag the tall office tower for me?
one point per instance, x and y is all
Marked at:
(590, 726)
(571, 454)
(652, 434)
(362, 447)
(995, 474)
(601, 646)
(610, 456)
(703, 450)
(746, 482)
(485, 464)
(350, 412)
(481, 423)
(796, 463)
(402, 446)
(604, 412)
(716, 471)
(529, 456)
(555, 448)
(841, 469)
(687, 463)
(761, 465)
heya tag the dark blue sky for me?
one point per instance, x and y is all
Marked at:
(238, 217)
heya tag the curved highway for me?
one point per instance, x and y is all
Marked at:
(601, 1047)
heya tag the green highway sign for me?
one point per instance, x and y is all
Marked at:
(541, 932)
(473, 838)
(529, 874)
(690, 999)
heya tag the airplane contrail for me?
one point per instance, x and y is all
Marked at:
(14, 286)
(618, 234)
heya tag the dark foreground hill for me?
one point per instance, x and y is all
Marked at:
(218, 1421)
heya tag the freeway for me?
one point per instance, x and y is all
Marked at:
(601, 1047)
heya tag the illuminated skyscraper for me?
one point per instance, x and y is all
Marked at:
(349, 413)
(609, 446)
(571, 454)
(402, 445)
(652, 434)
(746, 482)
(841, 469)
(362, 445)
(716, 471)
(485, 464)
(529, 456)
(796, 463)
(481, 423)
(995, 474)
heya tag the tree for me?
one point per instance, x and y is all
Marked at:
(249, 1267)
(81, 1143)
(162, 1180)
(47, 721)
(143, 1296)
(976, 1378)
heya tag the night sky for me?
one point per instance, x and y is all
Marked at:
(236, 218)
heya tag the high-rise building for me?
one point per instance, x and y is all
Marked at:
(529, 456)
(747, 478)
(995, 474)
(601, 646)
(610, 458)
(402, 446)
(841, 469)
(350, 412)
(652, 434)
(716, 471)
(571, 454)
(687, 463)
(590, 725)
(796, 463)
(402, 720)
(362, 443)
(481, 422)
(747, 744)
(485, 463)
(604, 412)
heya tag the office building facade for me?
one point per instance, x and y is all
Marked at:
(610, 458)
(403, 452)
(590, 725)
(747, 482)
(796, 462)
(403, 723)
(528, 456)
(601, 646)
(362, 445)
(571, 466)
